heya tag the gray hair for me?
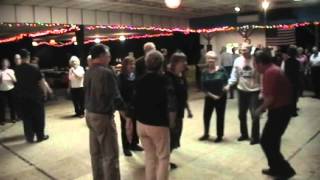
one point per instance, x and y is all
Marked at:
(154, 60)
(149, 46)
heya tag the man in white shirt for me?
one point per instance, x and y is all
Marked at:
(76, 77)
(7, 80)
(248, 79)
(315, 71)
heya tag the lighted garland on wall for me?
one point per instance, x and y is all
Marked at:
(40, 33)
(106, 39)
(71, 28)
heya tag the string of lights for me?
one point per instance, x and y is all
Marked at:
(72, 28)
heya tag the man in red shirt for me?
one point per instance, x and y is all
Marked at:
(276, 98)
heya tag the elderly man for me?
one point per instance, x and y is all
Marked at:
(31, 92)
(276, 98)
(248, 79)
(141, 64)
(102, 97)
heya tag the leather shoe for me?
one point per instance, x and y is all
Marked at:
(45, 137)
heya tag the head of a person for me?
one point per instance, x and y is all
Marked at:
(164, 51)
(300, 50)
(178, 62)
(292, 51)
(128, 65)
(246, 50)
(25, 56)
(262, 60)
(149, 46)
(100, 54)
(223, 49)
(34, 60)
(5, 63)
(211, 59)
(234, 49)
(17, 59)
(154, 60)
(89, 60)
(74, 61)
(315, 49)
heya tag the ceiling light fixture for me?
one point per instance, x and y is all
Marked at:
(237, 9)
(34, 43)
(173, 4)
(122, 38)
(97, 40)
(265, 5)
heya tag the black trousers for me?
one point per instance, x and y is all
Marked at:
(135, 139)
(33, 115)
(278, 120)
(220, 106)
(231, 91)
(175, 133)
(249, 101)
(315, 73)
(7, 99)
(77, 95)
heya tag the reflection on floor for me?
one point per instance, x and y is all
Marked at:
(66, 154)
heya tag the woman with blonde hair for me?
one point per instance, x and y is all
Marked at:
(126, 82)
(213, 80)
(76, 76)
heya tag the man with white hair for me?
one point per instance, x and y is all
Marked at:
(141, 64)
(248, 79)
(76, 76)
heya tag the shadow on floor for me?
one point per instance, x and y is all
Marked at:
(69, 117)
(11, 139)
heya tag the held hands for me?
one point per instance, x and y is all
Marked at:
(226, 88)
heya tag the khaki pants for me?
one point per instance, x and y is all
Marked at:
(156, 143)
(103, 147)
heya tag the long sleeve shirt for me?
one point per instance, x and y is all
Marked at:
(102, 95)
(76, 76)
(245, 74)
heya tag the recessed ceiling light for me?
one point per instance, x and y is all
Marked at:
(237, 9)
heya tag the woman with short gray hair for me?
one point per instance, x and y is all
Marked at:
(153, 101)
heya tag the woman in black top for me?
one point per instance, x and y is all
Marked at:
(126, 81)
(179, 83)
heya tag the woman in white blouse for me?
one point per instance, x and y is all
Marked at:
(315, 70)
(7, 80)
(76, 76)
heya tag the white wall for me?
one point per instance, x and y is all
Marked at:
(222, 38)
(34, 14)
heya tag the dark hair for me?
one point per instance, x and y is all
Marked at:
(126, 61)
(263, 56)
(154, 60)
(24, 53)
(292, 51)
(176, 58)
(99, 49)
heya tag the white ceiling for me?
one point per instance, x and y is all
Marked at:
(189, 8)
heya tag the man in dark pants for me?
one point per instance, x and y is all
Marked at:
(247, 79)
(276, 98)
(31, 92)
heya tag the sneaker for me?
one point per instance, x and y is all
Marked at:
(204, 138)
(243, 138)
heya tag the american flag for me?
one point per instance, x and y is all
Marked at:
(279, 37)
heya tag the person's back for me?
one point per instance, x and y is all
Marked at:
(151, 100)
(226, 59)
(28, 78)
(99, 90)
